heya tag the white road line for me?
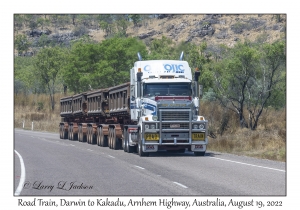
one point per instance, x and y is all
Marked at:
(72, 145)
(88, 149)
(111, 156)
(22, 178)
(140, 167)
(275, 169)
(181, 185)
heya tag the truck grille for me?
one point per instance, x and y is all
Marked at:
(168, 126)
(175, 115)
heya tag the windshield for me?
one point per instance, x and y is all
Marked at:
(167, 89)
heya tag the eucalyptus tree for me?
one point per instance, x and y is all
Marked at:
(47, 65)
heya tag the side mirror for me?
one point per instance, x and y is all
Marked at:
(132, 98)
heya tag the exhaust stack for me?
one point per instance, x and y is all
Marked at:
(181, 56)
(139, 56)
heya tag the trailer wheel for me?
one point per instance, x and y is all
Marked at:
(109, 138)
(115, 141)
(98, 136)
(71, 133)
(88, 135)
(60, 131)
(104, 139)
(93, 136)
(79, 133)
(199, 153)
(66, 133)
(124, 142)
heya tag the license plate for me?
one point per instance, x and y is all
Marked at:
(174, 125)
(152, 136)
(198, 136)
(149, 147)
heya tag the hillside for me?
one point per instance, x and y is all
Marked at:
(215, 29)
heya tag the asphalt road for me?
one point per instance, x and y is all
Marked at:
(47, 165)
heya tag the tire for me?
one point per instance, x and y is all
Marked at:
(129, 149)
(104, 139)
(199, 153)
(124, 141)
(93, 137)
(140, 150)
(83, 137)
(98, 136)
(66, 133)
(75, 135)
(115, 141)
(109, 138)
(71, 133)
(79, 134)
(89, 135)
(60, 131)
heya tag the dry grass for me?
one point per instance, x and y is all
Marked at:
(268, 141)
(36, 109)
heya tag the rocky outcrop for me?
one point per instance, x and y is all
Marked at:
(148, 34)
(38, 33)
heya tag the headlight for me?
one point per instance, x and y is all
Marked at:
(154, 118)
(201, 126)
(147, 126)
(152, 126)
(195, 126)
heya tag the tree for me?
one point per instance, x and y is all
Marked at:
(163, 48)
(93, 66)
(48, 63)
(21, 43)
(261, 86)
(136, 18)
(232, 77)
(82, 62)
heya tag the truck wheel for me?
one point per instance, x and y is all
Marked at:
(66, 133)
(60, 132)
(125, 140)
(115, 141)
(79, 133)
(88, 136)
(98, 136)
(105, 141)
(93, 136)
(129, 149)
(140, 150)
(199, 153)
(71, 132)
(109, 138)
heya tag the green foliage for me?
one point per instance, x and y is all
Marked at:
(21, 43)
(163, 48)
(93, 66)
(136, 18)
(48, 63)
(247, 77)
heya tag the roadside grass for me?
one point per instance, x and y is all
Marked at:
(268, 141)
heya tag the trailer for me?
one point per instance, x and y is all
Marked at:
(157, 110)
